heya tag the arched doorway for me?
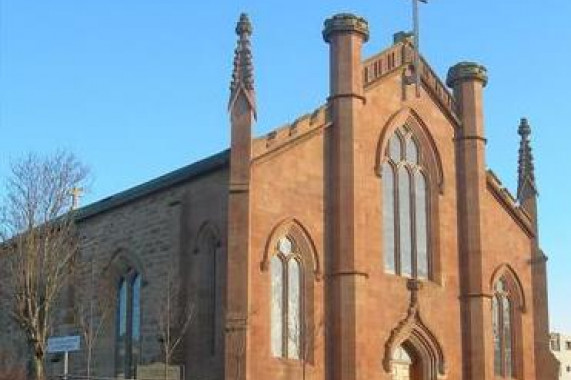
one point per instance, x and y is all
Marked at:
(406, 364)
(412, 347)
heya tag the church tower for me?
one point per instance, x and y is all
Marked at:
(242, 109)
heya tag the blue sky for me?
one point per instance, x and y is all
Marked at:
(137, 88)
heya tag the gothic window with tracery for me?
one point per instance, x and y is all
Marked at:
(128, 332)
(405, 208)
(502, 318)
(287, 294)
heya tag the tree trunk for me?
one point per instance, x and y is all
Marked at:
(88, 363)
(38, 368)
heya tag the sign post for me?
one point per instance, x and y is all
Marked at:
(65, 344)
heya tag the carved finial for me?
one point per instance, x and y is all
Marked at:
(243, 73)
(526, 172)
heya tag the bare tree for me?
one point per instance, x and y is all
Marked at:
(305, 341)
(38, 239)
(93, 305)
(173, 318)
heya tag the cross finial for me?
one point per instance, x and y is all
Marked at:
(526, 170)
(416, 44)
(243, 72)
(76, 194)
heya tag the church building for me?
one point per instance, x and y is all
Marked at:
(367, 240)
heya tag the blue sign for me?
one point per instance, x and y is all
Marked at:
(63, 344)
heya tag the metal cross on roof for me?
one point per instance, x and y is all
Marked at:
(76, 194)
(416, 44)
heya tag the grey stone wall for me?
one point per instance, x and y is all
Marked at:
(150, 234)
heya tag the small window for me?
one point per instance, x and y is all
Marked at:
(128, 332)
(502, 331)
(568, 345)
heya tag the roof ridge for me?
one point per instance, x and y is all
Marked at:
(175, 177)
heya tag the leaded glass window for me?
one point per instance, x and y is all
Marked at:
(388, 217)
(287, 297)
(135, 322)
(121, 340)
(421, 224)
(277, 300)
(496, 332)
(128, 335)
(405, 208)
(502, 317)
(294, 309)
(405, 225)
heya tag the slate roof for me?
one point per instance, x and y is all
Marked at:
(190, 172)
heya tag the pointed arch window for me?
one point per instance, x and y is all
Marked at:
(206, 296)
(502, 321)
(128, 331)
(405, 208)
(287, 300)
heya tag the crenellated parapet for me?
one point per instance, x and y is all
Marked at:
(399, 56)
(300, 128)
(386, 62)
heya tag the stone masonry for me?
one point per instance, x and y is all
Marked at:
(319, 181)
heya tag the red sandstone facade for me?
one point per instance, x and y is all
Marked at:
(319, 182)
(320, 178)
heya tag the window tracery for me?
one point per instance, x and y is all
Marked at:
(502, 321)
(405, 208)
(287, 296)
